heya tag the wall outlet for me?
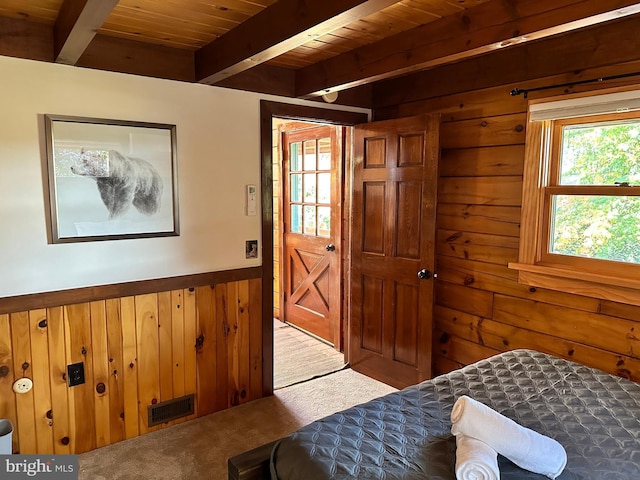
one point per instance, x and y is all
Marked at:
(251, 249)
(75, 374)
(22, 385)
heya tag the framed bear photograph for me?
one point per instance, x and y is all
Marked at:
(110, 179)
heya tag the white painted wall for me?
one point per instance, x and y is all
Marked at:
(218, 150)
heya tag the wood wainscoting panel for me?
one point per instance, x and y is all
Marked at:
(137, 350)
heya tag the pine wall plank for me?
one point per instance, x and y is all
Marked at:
(137, 351)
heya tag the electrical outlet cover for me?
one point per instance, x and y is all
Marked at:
(22, 385)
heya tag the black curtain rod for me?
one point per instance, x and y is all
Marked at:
(525, 91)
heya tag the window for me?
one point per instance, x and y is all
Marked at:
(581, 198)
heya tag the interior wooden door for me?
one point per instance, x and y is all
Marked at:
(312, 230)
(394, 208)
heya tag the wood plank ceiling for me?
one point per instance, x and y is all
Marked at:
(298, 48)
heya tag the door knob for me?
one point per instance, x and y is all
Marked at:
(424, 274)
(330, 248)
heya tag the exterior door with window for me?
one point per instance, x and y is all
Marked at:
(311, 230)
(394, 208)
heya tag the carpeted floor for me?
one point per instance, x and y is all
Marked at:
(199, 449)
(298, 357)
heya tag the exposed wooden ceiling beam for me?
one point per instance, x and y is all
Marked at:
(573, 54)
(283, 26)
(488, 27)
(77, 23)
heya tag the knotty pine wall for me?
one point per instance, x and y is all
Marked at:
(137, 350)
(481, 309)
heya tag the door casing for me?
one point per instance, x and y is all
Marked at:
(269, 110)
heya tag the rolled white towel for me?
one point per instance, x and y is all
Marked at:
(475, 460)
(524, 447)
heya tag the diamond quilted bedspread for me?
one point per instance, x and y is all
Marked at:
(407, 434)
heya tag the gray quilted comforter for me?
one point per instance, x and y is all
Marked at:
(407, 434)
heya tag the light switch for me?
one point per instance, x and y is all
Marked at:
(251, 199)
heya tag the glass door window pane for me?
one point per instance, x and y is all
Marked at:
(310, 188)
(310, 155)
(324, 188)
(324, 154)
(295, 187)
(296, 219)
(324, 221)
(295, 154)
(309, 220)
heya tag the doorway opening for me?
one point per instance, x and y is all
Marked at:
(308, 197)
(291, 112)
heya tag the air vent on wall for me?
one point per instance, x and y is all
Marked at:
(170, 410)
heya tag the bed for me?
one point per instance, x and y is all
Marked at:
(407, 434)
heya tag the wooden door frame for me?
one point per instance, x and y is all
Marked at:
(268, 110)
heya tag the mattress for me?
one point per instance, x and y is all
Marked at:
(407, 434)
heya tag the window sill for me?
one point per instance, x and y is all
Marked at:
(579, 282)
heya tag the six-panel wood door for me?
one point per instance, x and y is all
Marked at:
(312, 230)
(394, 203)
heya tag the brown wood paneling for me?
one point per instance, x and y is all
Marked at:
(81, 402)
(7, 398)
(174, 372)
(482, 162)
(25, 407)
(243, 353)
(165, 346)
(496, 249)
(476, 302)
(41, 380)
(501, 336)
(232, 340)
(130, 366)
(191, 315)
(502, 191)
(483, 132)
(223, 327)
(147, 349)
(137, 351)
(480, 218)
(206, 348)
(100, 372)
(57, 371)
(116, 384)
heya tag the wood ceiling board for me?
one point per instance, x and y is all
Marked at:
(399, 17)
(475, 31)
(161, 30)
(257, 41)
(41, 11)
